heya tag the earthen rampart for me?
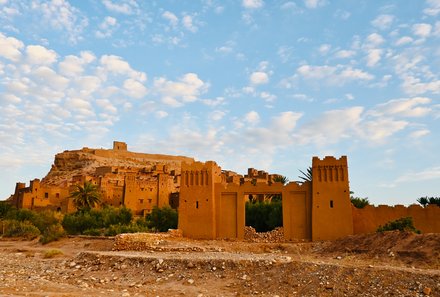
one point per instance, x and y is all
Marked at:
(369, 218)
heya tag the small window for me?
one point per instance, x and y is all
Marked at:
(46, 195)
(197, 204)
(57, 195)
(141, 201)
(331, 203)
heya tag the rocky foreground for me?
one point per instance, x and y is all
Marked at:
(165, 265)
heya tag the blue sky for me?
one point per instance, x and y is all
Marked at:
(252, 83)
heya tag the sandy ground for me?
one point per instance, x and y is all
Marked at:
(390, 264)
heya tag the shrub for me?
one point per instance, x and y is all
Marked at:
(93, 232)
(5, 208)
(162, 219)
(402, 224)
(264, 216)
(95, 221)
(15, 228)
(78, 222)
(52, 253)
(118, 229)
(52, 233)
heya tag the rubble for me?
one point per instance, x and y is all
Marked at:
(276, 235)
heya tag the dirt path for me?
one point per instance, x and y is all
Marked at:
(217, 268)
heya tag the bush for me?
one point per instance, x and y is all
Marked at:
(78, 222)
(93, 232)
(402, 224)
(118, 229)
(52, 233)
(52, 253)
(162, 219)
(95, 221)
(15, 228)
(5, 208)
(264, 216)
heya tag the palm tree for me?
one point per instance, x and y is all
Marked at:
(281, 179)
(85, 197)
(306, 176)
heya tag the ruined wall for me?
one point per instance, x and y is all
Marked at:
(368, 219)
(331, 206)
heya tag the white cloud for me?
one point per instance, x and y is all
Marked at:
(80, 106)
(252, 4)
(259, 77)
(343, 54)
(374, 56)
(419, 133)
(433, 7)
(10, 48)
(406, 107)
(334, 75)
(373, 40)
(404, 40)
(383, 21)
(425, 174)
(187, 22)
(74, 66)
(314, 3)
(252, 117)
(124, 6)
(62, 16)
(267, 96)
(414, 86)
(106, 27)
(37, 54)
(330, 127)
(171, 17)
(217, 115)
(187, 89)
(378, 130)
(117, 65)
(134, 88)
(324, 49)
(422, 30)
(160, 114)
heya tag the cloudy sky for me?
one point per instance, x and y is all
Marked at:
(248, 83)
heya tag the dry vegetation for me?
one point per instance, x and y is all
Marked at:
(382, 264)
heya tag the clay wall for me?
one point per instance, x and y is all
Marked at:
(197, 200)
(331, 207)
(369, 218)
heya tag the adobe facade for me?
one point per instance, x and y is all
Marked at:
(139, 188)
(212, 204)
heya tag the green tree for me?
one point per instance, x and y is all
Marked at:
(425, 201)
(86, 197)
(306, 176)
(162, 219)
(359, 202)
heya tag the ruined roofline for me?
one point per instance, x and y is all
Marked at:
(123, 153)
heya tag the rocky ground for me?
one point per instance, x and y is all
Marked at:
(389, 264)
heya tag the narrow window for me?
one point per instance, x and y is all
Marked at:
(197, 204)
(331, 203)
(46, 195)
(57, 195)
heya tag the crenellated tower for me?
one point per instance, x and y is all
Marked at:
(331, 206)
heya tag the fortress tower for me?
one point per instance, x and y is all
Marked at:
(331, 208)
